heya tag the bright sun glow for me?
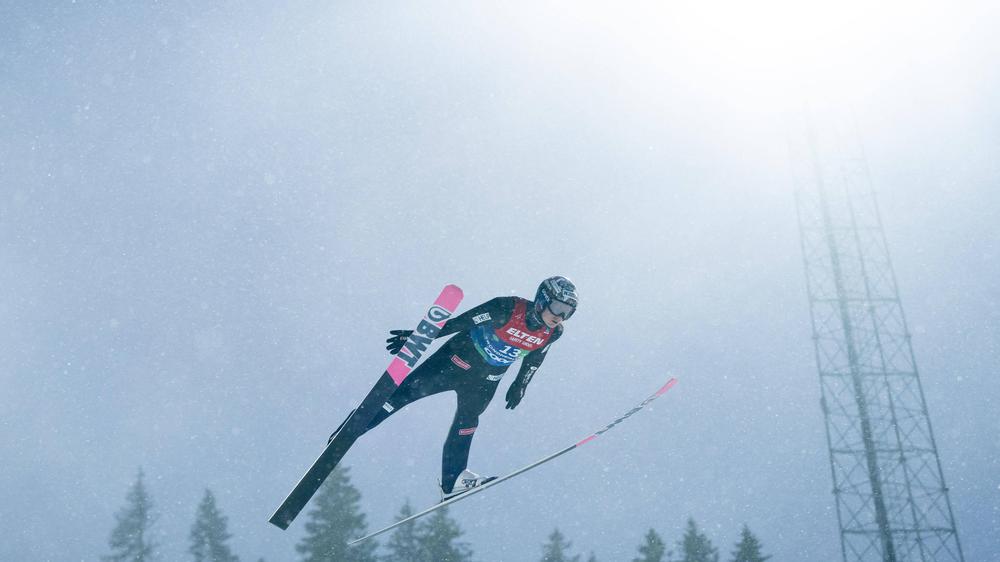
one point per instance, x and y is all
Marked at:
(783, 48)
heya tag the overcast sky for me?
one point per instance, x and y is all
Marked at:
(210, 216)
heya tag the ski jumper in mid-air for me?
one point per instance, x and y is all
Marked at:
(490, 338)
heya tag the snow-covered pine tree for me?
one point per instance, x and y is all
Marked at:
(210, 532)
(335, 519)
(653, 549)
(438, 539)
(131, 539)
(404, 544)
(749, 548)
(557, 549)
(696, 546)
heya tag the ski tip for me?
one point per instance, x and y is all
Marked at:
(666, 387)
(450, 297)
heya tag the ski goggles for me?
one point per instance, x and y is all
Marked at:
(561, 309)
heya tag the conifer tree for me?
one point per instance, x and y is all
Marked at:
(404, 544)
(749, 548)
(438, 539)
(131, 539)
(557, 549)
(696, 546)
(652, 549)
(210, 533)
(336, 519)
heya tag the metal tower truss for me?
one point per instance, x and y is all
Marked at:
(892, 502)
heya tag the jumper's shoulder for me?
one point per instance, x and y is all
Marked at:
(501, 307)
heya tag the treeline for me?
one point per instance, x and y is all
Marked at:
(336, 518)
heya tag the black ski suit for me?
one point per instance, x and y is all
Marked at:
(490, 338)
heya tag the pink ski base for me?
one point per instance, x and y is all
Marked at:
(449, 299)
(398, 370)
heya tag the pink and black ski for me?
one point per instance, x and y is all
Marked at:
(404, 362)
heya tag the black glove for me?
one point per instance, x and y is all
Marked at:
(515, 393)
(396, 340)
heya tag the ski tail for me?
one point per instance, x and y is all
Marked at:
(402, 364)
(663, 389)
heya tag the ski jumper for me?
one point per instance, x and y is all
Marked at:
(490, 338)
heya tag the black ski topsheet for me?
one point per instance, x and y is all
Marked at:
(404, 362)
(663, 389)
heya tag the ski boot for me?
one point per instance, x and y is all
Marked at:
(466, 481)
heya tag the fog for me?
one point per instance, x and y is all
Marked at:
(211, 216)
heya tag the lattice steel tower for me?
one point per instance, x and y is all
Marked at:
(892, 501)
